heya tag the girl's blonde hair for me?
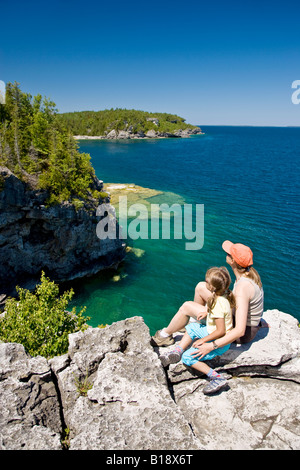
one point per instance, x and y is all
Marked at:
(250, 273)
(220, 280)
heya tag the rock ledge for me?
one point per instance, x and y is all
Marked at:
(130, 402)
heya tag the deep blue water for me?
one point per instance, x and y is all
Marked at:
(248, 180)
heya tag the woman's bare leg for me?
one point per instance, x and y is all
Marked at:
(202, 294)
(189, 309)
(182, 317)
(185, 341)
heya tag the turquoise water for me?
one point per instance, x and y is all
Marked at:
(248, 180)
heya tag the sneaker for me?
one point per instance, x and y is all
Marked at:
(158, 340)
(215, 384)
(171, 357)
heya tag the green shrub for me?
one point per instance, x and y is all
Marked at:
(40, 320)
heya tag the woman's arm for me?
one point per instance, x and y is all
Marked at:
(218, 333)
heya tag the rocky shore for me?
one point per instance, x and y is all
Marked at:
(110, 392)
(151, 134)
(60, 239)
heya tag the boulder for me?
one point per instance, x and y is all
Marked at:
(151, 134)
(123, 135)
(112, 134)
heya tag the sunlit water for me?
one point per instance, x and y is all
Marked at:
(248, 180)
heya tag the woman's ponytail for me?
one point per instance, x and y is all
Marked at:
(230, 298)
(250, 273)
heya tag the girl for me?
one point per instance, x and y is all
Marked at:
(218, 323)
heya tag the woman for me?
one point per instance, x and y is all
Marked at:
(249, 297)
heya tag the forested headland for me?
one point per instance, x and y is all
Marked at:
(100, 123)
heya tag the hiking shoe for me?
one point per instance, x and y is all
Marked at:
(215, 384)
(158, 340)
(170, 358)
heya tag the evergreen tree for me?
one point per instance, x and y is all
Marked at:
(38, 148)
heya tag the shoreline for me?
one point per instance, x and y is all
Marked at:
(151, 134)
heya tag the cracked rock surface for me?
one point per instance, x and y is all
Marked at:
(128, 401)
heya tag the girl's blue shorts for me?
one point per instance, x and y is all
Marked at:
(197, 330)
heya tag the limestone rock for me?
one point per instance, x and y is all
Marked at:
(253, 414)
(123, 135)
(128, 405)
(274, 352)
(112, 134)
(112, 393)
(29, 407)
(152, 134)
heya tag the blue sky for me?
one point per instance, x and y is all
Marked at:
(213, 63)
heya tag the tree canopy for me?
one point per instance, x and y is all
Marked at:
(101, 122)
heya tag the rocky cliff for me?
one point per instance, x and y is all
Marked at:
(110, 392)
(151, 134)
(61, 239)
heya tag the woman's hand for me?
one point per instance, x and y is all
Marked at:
(203, 349)
(198, 343)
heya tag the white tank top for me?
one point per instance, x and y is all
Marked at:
(256, 304)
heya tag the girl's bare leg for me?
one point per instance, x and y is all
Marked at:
(201, 367)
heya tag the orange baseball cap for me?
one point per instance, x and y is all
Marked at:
(241, 254)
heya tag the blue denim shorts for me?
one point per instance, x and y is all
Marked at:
(197, 330)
